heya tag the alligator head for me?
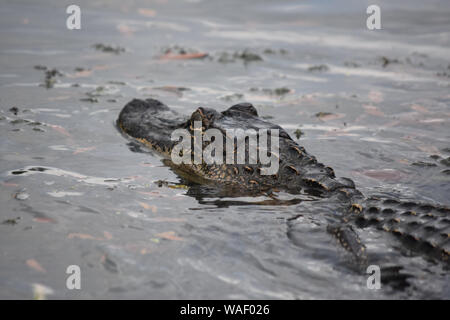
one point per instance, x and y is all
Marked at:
(152, 124)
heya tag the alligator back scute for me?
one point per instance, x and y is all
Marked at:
(421, 227)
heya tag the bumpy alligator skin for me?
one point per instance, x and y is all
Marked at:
(422, 228)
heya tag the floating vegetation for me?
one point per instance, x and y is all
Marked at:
(351, 64)
(40, 67)
(245, 56)
(318, 68)
(274, 51)
(120, 83)
(385, 61)
(232, 97)
(109, 48)
(326, 116)
(424, 164)
(50, 76)
(19, 121)
(180, 53)
(11, 221)
(90, 99)
(92, 96)
(14, 110)
(323, 114)
(298, 133)
(273, 92)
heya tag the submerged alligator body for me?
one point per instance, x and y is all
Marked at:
(420, 227)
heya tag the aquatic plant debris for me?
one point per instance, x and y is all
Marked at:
(318, 68)
(177, 52)
(109, 48)
(273, 92)
(51, 76)
(326, 116)
(246, 56)
(298, 133)
(11, 221)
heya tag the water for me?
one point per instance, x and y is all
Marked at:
(73, 193)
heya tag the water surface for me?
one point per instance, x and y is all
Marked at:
(73, 192)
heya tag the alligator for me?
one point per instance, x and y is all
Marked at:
(422, 228)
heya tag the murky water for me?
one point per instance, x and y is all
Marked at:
(72, 192)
